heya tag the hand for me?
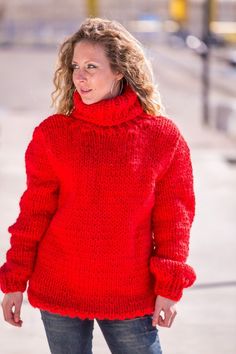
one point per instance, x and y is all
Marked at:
(9, 301)
(167, 306)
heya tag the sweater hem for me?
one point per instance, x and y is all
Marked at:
(85, 315)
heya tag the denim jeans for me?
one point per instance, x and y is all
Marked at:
(68, 335)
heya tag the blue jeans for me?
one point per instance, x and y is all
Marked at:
(68, 335)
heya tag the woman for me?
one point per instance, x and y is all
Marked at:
(103, 229)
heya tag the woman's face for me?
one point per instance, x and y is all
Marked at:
(92, 74)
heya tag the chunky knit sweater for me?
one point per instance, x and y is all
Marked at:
(105, 219)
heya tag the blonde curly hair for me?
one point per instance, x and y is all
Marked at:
(125, 54)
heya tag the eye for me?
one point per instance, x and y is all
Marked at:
(74, 66)
(91, 66)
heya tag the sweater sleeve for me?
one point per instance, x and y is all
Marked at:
(37, 206)
(172, 217)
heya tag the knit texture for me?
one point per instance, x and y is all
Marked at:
(105, 218)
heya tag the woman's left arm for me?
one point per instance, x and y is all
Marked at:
(172, 217)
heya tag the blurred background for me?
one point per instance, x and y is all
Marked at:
(192, 47)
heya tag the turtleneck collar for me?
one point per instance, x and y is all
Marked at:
(110, 111)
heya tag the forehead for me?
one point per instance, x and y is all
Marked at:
(85, 50)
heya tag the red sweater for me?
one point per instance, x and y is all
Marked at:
(104, 222)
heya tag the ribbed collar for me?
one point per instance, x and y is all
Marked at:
(110, 111)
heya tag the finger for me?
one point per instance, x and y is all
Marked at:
(172, 319)
(156, 316)
(16, 316)
(168, 315)
(157, 311)
(163, 322)
(167, 322)
(17, 312)
(7, 312)
(13, 323)
(9, 316)
(160, 319)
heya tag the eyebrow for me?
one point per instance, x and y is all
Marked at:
(86, 61)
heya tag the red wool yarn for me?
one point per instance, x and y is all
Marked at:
(105, 220)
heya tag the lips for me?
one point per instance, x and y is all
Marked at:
(84, 91)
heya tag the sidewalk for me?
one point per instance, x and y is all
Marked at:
(206, 319)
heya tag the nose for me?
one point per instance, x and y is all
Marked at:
(80, 75)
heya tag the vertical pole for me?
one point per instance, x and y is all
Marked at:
(206, 61)
(213, 10)
(92, 8)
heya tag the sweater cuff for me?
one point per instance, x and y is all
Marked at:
(171, 277)
(9, 285)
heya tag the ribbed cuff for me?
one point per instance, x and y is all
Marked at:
(172, 291)
(11, 285)
(171, 277)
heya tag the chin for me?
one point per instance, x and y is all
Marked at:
(88, 102)
(91, 100)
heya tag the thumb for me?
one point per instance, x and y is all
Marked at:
(156, 315)
(17, 313)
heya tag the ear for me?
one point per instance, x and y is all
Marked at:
(119, 76)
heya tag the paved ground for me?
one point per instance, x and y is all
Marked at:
(206, 319)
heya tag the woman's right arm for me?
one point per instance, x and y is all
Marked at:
(38, 203)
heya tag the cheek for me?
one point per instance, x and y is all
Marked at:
(74, 77)
(105, 79)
